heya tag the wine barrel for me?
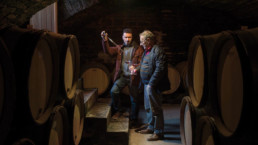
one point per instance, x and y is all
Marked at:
(76, 114)
(234, 80)
(206, 132)
(69, 62)
(182, 68)
(174, 79)
(96, 75)
(7, 91)
(189, 116)
(35, 60)
(58, 131)
(199, 63)
(24, 141)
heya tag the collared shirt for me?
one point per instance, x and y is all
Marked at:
(148, 50)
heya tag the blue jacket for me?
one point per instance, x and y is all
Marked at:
(158, 68)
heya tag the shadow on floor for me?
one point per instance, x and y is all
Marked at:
(171, 128)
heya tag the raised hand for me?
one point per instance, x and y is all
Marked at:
(104, 35)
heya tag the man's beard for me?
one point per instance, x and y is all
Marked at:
(128, 44)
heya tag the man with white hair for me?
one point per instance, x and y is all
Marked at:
(153, 72)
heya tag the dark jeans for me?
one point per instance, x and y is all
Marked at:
(134, 94)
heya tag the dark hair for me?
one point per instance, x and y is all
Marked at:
(128, 30)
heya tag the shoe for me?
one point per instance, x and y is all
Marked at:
(116, 116)
(126, 114)
(145, 126)
(146, 131)
(155, 137)
(134, 124)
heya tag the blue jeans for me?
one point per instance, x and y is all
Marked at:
(134, 94)
(153, 107)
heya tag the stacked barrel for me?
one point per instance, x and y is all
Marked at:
(96, 75)
(223, 80)
(39, 102)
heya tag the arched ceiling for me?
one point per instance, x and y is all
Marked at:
(19, 11)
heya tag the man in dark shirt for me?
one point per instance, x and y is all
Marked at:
(127, 53)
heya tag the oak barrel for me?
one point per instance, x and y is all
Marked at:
(96, 75)
(76, 114)
(206, 132)
(24, 141)
(58, 131)
(69, 62)
(174, 79)
(7, 91)
(35, 60)
(199, 63)
(234, 81)
(189, 116)
(182, 68)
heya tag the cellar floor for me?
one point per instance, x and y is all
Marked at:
(171, 128)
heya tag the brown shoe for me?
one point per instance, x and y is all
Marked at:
(155, 137)
(126, 114)
(116, 115)
(133, 124)
(146, 131)
(145, 126)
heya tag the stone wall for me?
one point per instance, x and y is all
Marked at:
(19, 11)
(174, 25)
(67, 8)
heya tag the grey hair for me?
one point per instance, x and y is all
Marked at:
(147, 34)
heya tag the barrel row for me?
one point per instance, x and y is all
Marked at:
(97, 75)
(223, 79)
(39, 73)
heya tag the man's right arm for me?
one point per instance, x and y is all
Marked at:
(105, 45)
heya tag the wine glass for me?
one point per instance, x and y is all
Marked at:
(132, 68)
